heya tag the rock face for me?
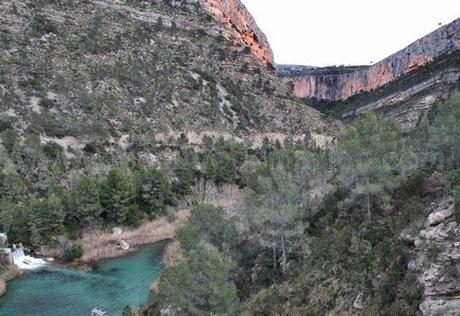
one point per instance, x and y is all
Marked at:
(241, 26)
(341, 83)
(437, 261)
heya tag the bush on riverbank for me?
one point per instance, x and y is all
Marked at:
(73, 252)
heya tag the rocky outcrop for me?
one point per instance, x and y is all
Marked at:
(437, 261)
(241, 26)
(7, 273)
(409, 102)
(341, 83)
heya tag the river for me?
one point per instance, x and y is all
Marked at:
(111, 285)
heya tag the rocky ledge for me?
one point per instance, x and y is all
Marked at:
(437, 260)
(341, 83)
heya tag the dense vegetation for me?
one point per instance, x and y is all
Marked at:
(298, 253)
(320, 227)
(39, 204)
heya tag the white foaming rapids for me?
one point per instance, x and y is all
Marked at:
(24, 262)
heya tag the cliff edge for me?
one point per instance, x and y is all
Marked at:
(241, 27)
(341, 83)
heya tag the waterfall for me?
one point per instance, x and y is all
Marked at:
(18, 254)
(25, 262)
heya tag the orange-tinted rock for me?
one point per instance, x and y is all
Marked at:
(241, 26)
(341, 83)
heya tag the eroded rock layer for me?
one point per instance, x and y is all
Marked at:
(341, 83)
(241, 26)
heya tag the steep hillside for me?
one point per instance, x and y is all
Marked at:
(104, 109)
(101, 70)
(404, 85)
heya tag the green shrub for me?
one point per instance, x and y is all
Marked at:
(411, 185)
(42, 25)
(73, 252)
(53, 150)
(46, 102)
(454, 177)
(9, 139)
(5, 123)
(454, 180)
(456, 194)
(49, 124)
(33, 84)
(171, 217)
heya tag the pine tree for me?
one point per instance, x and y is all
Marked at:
(153, 191)
(208, 223)
(444, 133)
(369, 154)
(7, 213)
(226, 171)
(117, 198)
(85, 201)
(278, 207)
(211, 167)
(199, 285)
(46, 218)
(185, 171)
(11, 186)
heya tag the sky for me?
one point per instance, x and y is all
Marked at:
(346, 32)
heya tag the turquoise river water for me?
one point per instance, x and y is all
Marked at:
(111, 285)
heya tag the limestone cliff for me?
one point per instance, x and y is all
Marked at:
(341, 83)
(241, 26)
(437, 256)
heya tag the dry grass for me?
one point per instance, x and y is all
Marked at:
(229, 197)
(99, 245)
(173, 254)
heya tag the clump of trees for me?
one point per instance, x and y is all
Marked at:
(201, 281)
(369, 155)
(117, 199)
(320, 226)
(280, 204)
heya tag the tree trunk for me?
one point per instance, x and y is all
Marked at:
(284, 255)
(369, 213)
(274, 256)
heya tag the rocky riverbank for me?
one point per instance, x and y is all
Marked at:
(7, 273)
(99, 245)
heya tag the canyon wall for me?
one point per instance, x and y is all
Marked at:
(341, 83)
(241, 26)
